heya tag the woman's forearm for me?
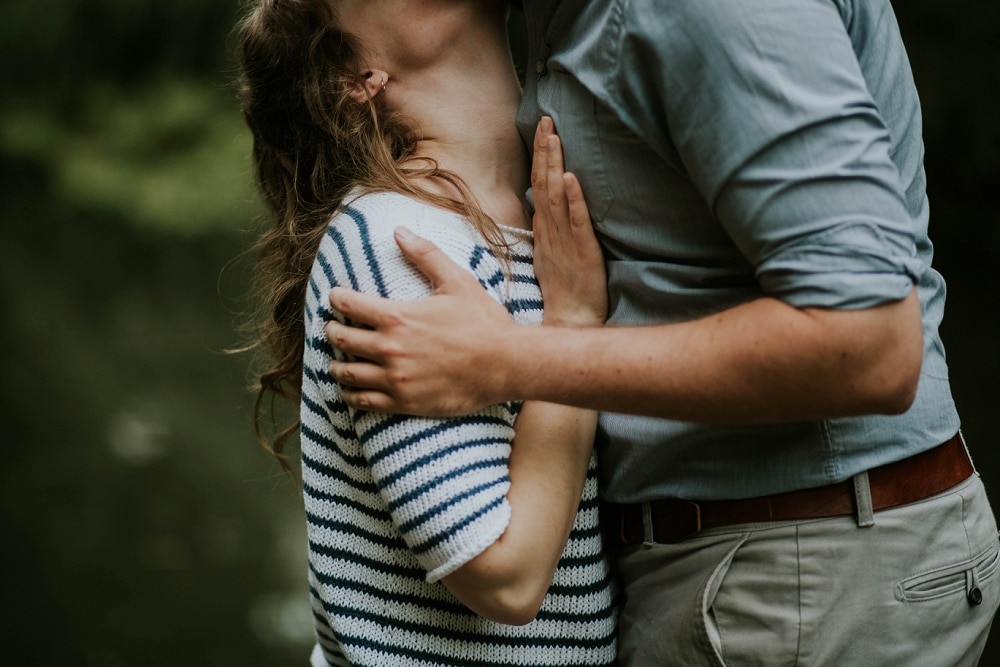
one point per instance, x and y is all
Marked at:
(548, 467)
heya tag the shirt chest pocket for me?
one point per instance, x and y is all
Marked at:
(573, 109)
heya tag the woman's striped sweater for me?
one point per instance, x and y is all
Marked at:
(394, 503)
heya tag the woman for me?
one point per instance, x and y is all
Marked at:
(468, 541)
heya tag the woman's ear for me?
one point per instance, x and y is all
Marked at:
(373, 83)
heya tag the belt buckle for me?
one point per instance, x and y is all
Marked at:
(682, 520)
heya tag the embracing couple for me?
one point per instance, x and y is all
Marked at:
(727, 219)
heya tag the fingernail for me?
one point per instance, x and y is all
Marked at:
(404, 234)
(546, 124)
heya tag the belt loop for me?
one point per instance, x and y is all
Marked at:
(647, 525)
(966, 447)
(863, 501)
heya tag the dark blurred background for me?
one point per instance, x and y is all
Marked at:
(142, 525)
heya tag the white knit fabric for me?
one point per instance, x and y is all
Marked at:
(394, 503)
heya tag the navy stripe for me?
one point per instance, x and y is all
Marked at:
(581, 590)
(332, 652)
(585, 534)
(445, 604)
(496, 462)
(312, 465)
(574, 562)
(436, 540)
(390, 542)
(388, 480)
(308, 316)
(355, 460)
(314, 288)
(385, 422)
(477, 256)
(479, 661)
(524, 279)
(459, 635)
(415, 573)
(325, 262)
(310, 374)
(577, 616)
(338, 240)
(345, 512)
(313, 493)
(441, 507)
(366, 245)
(495, 279)
(521, 305)
(326, 411)
(436, 429)
(326, 633)
(322, 345)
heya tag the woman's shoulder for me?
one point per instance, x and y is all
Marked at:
(379, 213)
(372, 218)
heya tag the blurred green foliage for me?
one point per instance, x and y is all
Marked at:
(143, 525)
(162, 155)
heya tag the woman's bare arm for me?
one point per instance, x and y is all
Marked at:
(552, 443)
(548, 466)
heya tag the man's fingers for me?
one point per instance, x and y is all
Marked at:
(361, 308)
(355, 342)
(358, 375)
(369, 401)
(445, 275)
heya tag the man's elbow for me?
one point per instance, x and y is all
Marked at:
(896, 392)
(893, 376)
(884, 350)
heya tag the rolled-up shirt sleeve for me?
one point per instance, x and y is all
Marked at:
(768, 111)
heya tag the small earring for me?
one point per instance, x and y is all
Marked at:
(385, 80)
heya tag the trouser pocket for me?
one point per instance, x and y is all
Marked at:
(964, 577)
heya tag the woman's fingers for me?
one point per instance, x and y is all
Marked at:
(579, 214)
(555, 189)
(569, 263)
(540, 172)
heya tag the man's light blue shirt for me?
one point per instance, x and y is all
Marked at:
(734, 149)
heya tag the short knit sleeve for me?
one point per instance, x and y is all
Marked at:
(443, 481)
(768, 110)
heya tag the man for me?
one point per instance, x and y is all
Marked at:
(780, 443)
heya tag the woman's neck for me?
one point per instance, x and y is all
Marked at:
(463, 109)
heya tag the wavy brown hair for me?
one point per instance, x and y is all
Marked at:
(313, 144)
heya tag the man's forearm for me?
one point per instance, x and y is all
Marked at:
(760, 362)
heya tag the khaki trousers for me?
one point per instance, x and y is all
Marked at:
(820, 592)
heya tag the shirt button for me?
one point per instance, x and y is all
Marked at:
(540, 67)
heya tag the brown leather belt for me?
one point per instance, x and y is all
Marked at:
(912, 479)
